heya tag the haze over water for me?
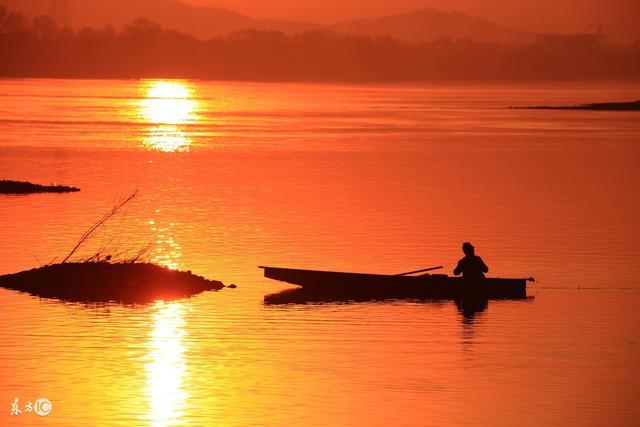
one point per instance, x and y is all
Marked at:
(367, 178)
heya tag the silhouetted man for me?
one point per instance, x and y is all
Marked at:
(471, 266)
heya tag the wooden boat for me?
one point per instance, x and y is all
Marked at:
(398, 286)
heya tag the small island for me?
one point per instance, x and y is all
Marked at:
(128, 283)
(101, 278)
(23, 187)
(599, 106)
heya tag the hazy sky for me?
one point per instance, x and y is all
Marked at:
(533, 15)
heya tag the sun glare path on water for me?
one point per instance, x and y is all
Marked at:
(166, 368)
(169, 107)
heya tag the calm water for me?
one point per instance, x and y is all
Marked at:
(358, 178)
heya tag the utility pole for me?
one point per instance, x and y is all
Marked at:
(598, 27)
(59, 11)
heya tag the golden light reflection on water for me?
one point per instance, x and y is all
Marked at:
(169, 107)
(167, 250)
(166, 369)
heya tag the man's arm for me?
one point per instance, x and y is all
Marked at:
(483, 266)
(458, 270)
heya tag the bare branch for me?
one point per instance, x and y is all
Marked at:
(98, 224)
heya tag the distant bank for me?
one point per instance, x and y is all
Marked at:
(20, 187)
(143, 49)
(599, 106)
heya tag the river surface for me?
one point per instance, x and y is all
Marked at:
(371, 178)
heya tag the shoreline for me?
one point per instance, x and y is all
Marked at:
(598, 106)
(25, 187)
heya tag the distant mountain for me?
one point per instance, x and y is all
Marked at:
(204, 22)
(426, 25)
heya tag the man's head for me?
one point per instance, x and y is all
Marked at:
(468, 249)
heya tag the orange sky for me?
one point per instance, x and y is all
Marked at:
(532, 15)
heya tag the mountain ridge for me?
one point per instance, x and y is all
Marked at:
(411, 26)
(424, 25)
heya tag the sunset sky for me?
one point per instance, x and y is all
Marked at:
(532, 15)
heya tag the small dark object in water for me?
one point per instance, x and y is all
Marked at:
(104, 282)
(232, 286)
(20, 187)
(600, 106)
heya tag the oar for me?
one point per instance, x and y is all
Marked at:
(420, 271)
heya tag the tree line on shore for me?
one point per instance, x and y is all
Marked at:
(143, 49)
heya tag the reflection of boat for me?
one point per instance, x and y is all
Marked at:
(379, 286)
(469, 305)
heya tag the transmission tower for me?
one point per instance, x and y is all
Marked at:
(59, 11)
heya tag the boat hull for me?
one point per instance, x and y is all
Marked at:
(385, 286)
